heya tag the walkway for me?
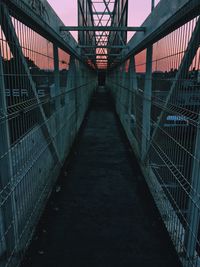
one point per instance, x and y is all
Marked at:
(103, 216)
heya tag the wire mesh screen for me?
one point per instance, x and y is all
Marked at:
(175, 111)
(162, 124)
(140, 68)
(44, 94)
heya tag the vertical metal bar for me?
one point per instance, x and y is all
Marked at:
(193, 214)
(56, 76)
(75, 81)
(133, 85)
(6, 174)
(129, 95)
(152, 5)
(146, 120)
(123, 93)
(117, 93)
(56, 99)
(70, 79)
(71, 95)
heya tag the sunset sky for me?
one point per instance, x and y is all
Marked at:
(67, 11)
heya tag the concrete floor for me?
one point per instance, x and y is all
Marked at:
(103, 216)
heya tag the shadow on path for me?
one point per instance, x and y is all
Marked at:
(102, 216)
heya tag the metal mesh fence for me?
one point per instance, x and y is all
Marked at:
(158, 103)
(44, 94)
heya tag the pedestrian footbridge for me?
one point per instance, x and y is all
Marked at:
(99, 136)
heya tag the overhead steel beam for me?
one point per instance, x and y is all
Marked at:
(100, 13)
(103, 46)
(103, 59)
(101, 28)
(108, 55)
(101, 35)
(96, 2)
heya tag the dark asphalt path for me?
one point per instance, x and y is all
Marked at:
(103, 216)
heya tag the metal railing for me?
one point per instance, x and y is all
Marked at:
(44, 94)
(157, 97)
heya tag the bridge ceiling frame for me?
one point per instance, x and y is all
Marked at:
(102, 26)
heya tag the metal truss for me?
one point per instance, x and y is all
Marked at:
(103, 31)
(169, 158)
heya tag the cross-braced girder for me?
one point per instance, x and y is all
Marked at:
(107, 17)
